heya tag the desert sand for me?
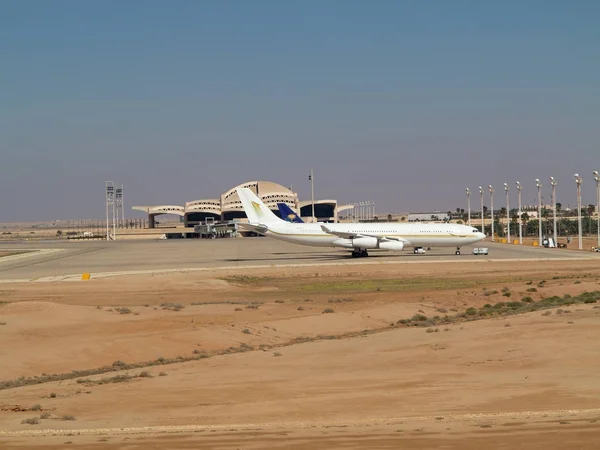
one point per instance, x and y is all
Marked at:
(297, 375)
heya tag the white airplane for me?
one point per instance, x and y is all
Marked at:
(359, 237)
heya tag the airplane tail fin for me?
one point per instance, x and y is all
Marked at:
(255, 209)
(287, 214)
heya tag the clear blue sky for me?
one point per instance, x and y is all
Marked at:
(406, 103)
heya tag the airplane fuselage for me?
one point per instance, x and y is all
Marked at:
(413, 234)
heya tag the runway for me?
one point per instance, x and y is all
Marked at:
(63, 260)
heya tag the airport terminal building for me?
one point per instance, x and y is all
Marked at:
(228, 206)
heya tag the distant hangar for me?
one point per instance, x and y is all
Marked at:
(228, 207)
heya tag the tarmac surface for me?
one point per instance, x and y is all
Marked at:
(67, 260)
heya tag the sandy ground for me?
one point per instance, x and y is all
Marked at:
(528, 381)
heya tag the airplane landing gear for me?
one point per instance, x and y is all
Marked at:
(457, 253)
(358, 253)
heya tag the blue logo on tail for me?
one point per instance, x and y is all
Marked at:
(287, 214)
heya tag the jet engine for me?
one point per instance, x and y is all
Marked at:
(368, 242)
(365, 242)
(392, 245)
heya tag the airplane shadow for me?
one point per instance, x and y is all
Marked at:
(312, 257)
(334, 257)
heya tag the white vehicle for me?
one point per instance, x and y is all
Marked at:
(359, 237)
(480, 251)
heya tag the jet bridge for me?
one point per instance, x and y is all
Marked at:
(213, 230)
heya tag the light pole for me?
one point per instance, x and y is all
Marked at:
(597, 178)
(468, 206)
(492, 209)
(373, 210)
(506, 189)
(579, 180)
(519, 187)
(482, 221)
(553, 182)
(312, 192)
(539, 186)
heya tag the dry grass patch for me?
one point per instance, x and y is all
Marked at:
(31, 421)
(168, 306)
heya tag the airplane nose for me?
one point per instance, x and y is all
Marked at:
(481, 235)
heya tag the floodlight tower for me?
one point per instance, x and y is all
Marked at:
(122, 206)
(519, 187)
(597, 179)
(110, 207)
(506, 188)
(482, 221)
(553, 182)
(468, 206)
(539, 186)
(492, 209)
(579, 180)
(119, 205)
(311, 178)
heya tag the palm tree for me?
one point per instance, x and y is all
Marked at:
(525, 219)
(514, 222)
(546, 217)
(590, 210)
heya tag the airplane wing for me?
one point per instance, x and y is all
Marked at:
(341, 234)
(347, 235)
(257, 228)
